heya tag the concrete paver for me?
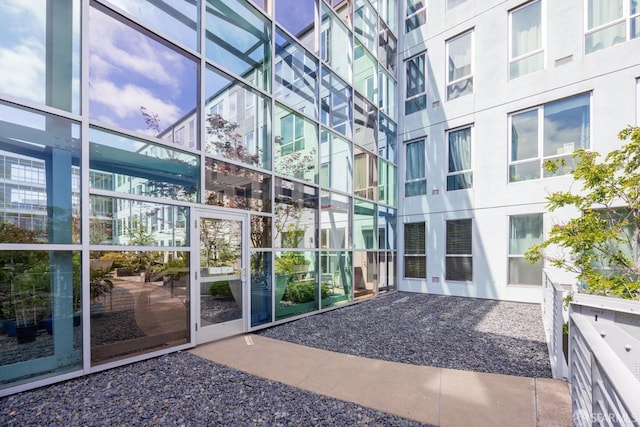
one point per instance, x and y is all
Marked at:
(436, 396)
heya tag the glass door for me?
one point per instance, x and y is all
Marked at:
(220, 276)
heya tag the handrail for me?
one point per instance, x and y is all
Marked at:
(626, 387)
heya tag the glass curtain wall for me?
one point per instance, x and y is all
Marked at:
(284, 110)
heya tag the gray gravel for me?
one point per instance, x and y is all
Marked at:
(182, 389)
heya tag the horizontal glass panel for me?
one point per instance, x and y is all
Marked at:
(336, 285)
(416, 104)
(459, 269)
(134, 166)
(237, 121)
(134, 223)
(39, 176)
(40, 52)
(415, 267)
(524, 231)
(524, 171)
(459, 237)
(139, 303)
(526, 65)
(233, 186)
(601, 12)
(414, 238)
(40, 311)
(567, 125)
(138, 83)
(606, 37)
(296, 215)
(522, 272)
(461, 88)
(239, 40)
(296, 283)
(178, 19)
(416, 188)
(459, 181)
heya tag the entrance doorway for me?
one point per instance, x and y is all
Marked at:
(220, 291)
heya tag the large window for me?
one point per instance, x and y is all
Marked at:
(415, 250)
(416, 15)
(459, 174)
(524, 231)
(527, 52)
(459, 259)
(416, 85)
(607, 23)
(459, 60)
(415, 178)
(549, 132)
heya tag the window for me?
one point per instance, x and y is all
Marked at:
(416, 88)
(416, 15)
(459, 175)
(459, 77)
(453, 3)
(415, 252)
(549, 132)
(524, 231)
(459, 261)
(292, 134)
(527, 52)
(415, 179)
(607, 23)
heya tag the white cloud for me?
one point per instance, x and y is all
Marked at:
(23, 71)
(126, 101)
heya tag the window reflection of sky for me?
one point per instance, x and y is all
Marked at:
(295, 15)
(128, 70)
(23, 51)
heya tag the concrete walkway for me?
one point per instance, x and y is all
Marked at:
(437, 396)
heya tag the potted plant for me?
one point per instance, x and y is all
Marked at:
(100, 285)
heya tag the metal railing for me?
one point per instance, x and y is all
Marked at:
(554, 317)
(604, 361)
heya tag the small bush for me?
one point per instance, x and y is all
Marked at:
(220, 289)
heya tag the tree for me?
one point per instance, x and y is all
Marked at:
(602, 245)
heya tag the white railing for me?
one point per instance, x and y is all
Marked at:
(604, 361)
(554, 318)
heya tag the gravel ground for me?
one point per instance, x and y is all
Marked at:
(182, 389)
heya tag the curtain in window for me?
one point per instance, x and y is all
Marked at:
(526, 30)
(460, 150)
(460, 57)
(603, 11)
(415, 160)
(526, 230)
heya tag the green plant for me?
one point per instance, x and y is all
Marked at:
(220, 289)
(601, 245)
(100, 284)
(302, 292)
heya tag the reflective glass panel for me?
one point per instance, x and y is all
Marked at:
(239, 39)
(237, 121)
(135, 166)
(386, 227)
(298, 17)
(388, 268)
(233, 186)
(365, 132)
(365, 24)
(364, 225)
(387, 183)
(40, 174)
(387, 94)
(261, 268)
(336, 47)
(139, 303)
(296, 283)
(335, 103)
(336, 162)
(296, 145)
(460, 79)
(387, 139)
(40, 311)
(296, 215)
(296, 76)
(128, 222)
(335, 232)
(365, 76)
(260, 233)
(138, 83)
(40, 52)
(365, 274)
(336, 284)
(388, 49)
(365, 174)
(178, 19)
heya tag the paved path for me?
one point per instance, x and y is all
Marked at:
(437, 396)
